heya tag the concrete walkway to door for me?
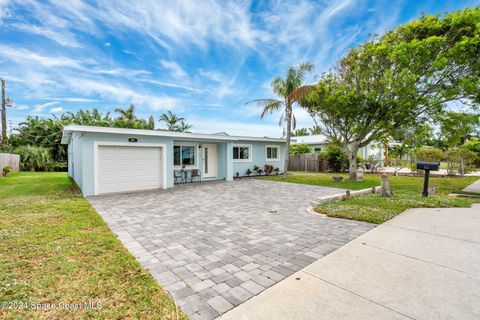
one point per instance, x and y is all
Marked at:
(422, 264)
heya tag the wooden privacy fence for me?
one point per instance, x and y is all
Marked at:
(9, 160)
(306, 162)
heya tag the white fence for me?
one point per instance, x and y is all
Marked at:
(9, 160)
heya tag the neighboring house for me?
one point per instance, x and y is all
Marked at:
(107, 160)
(318, 142)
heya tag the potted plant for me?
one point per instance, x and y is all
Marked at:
(268, 169)
(248, 172)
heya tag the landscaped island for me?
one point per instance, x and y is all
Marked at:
(377, 209)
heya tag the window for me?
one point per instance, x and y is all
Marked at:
(272, 153)
(242, 153)
(318, 149)
(184, 155)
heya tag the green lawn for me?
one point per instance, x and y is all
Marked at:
(377, 209)
(55, 248)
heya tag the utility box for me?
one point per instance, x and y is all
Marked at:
(431, 166)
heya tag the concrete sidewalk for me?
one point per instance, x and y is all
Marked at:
(423, 264)
(474, 187)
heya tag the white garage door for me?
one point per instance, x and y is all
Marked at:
(122, 169)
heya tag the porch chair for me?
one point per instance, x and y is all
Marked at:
(196, 174)
(179, 177)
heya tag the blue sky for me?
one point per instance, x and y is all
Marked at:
(201, 59)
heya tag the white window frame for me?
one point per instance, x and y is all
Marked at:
(195, 146)
(278, 153)
(250, 151)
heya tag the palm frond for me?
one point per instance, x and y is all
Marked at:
(301, 93)
(269, 106)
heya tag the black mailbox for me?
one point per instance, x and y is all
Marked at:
(423, 165)
(427, 166)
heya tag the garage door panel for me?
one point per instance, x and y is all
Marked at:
(123, 168)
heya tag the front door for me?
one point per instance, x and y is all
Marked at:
(209, 160)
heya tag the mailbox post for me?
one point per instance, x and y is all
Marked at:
(427, 166)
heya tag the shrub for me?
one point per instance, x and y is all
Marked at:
(336, 157)
(429, 154)
(248, 172)
(300, 148)
(474, 146)
(460, 160)
(268, 169)
(35, 158)
(6, 170)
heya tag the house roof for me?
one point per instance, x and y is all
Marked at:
(313, 139)
(68, 130)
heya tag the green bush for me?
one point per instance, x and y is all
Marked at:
(429, 154)
(35, 158)
(6, 170)
(300, 148)
(460, 160)
(336, 158)
(474, 146)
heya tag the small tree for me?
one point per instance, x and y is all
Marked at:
(300, 148)
(336, 157)
(460, 160)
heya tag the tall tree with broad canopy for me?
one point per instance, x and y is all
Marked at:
(289, 90)
(392, 81)
(457, 127)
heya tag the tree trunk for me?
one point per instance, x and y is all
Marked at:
(386, 161)
(353, 165)
(386, 189)
(288, 115)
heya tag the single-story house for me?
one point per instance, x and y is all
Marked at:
(318, 142)
(108, 160)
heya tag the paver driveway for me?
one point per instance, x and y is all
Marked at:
(215, 245)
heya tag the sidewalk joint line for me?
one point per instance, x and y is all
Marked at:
(358, 295)
(433, 234)
(417, 259)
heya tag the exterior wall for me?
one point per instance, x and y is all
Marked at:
(258, 157)
(85, 157)
(81, 160)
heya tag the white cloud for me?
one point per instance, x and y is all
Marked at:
(72, 99)
(174, 68)
(62, 37)
(122, 94)
(40, 107)
(57, 109)
(22, 56)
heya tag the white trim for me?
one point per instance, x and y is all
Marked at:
(67, 132)
(96, 144)
(185, 144)
(250, 152)
(278, 152)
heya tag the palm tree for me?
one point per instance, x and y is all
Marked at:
(290, 90)
(171, 120)
(183, 126)
(127, 114)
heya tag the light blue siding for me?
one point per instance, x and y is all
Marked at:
(258, 157)
(81, 156)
